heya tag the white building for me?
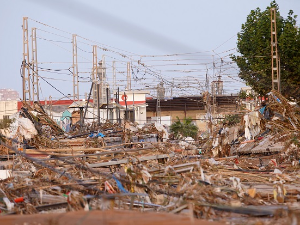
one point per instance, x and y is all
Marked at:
(8, 108)
(250, 102)
(132, 105)
(248, 90)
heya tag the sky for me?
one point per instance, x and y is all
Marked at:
(182, 44)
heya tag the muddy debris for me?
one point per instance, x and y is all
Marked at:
(246, 173)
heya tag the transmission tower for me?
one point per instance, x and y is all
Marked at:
(94, 74)
(114, 76)
(75, 69)
(34, 66)
(25, 64)
(102, 78)
(160, 95)
(274, 53)
(128, 76)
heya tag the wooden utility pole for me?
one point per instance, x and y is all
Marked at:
(274, 53)
(34, 66)
(75, 69)
(25, 64)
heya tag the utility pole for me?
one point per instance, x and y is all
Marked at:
(172, 86)
(274, 53)
(102, 80)
(213, 87)
(25, 64)
(75, 69)
(118, 107)
(107, 102)
(128, 76)
(50, 107)
(114, 76)
(94, 74)
(206, 81)
(98, 102)
(133, 108)
(34, 63)
(158, 109)
(207, 101)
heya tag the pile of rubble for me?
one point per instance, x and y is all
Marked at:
(247, 171)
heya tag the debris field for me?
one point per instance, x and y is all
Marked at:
(246, 173)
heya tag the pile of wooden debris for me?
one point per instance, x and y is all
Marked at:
(246, 174)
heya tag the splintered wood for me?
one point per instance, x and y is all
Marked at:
(224, 177)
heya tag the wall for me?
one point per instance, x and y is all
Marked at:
(8, 95)
(136, 97)
(199, 116)
(8, 108)
(139, 113)
(136, 100)
(180, 114)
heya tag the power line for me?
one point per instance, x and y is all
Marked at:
(136, 60)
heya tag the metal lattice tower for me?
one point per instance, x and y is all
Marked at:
(50, 107)
(128, 76)
(94, 74)
(34, 66)
(158, 109)
(25, 64)
(274, 53)
(114, 76)
(102, 78)
(75, 69)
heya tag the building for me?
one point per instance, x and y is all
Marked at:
(248, 91)
(8, 94)
(250, 101)
(193, 107)
(131, 105)
(136, 107)
(8, 108)
(59, 111)
(8, 102)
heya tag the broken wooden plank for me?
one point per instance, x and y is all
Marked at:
(69, 156)
(197, 163)
(124, 161)
(250, 210)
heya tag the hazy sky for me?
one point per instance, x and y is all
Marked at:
(135, 28)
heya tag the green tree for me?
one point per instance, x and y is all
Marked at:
(254, 48)
(231, 120)
(5, 123)
(243, 95)
(186, 128)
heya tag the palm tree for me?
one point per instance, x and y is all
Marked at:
(186, 128)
